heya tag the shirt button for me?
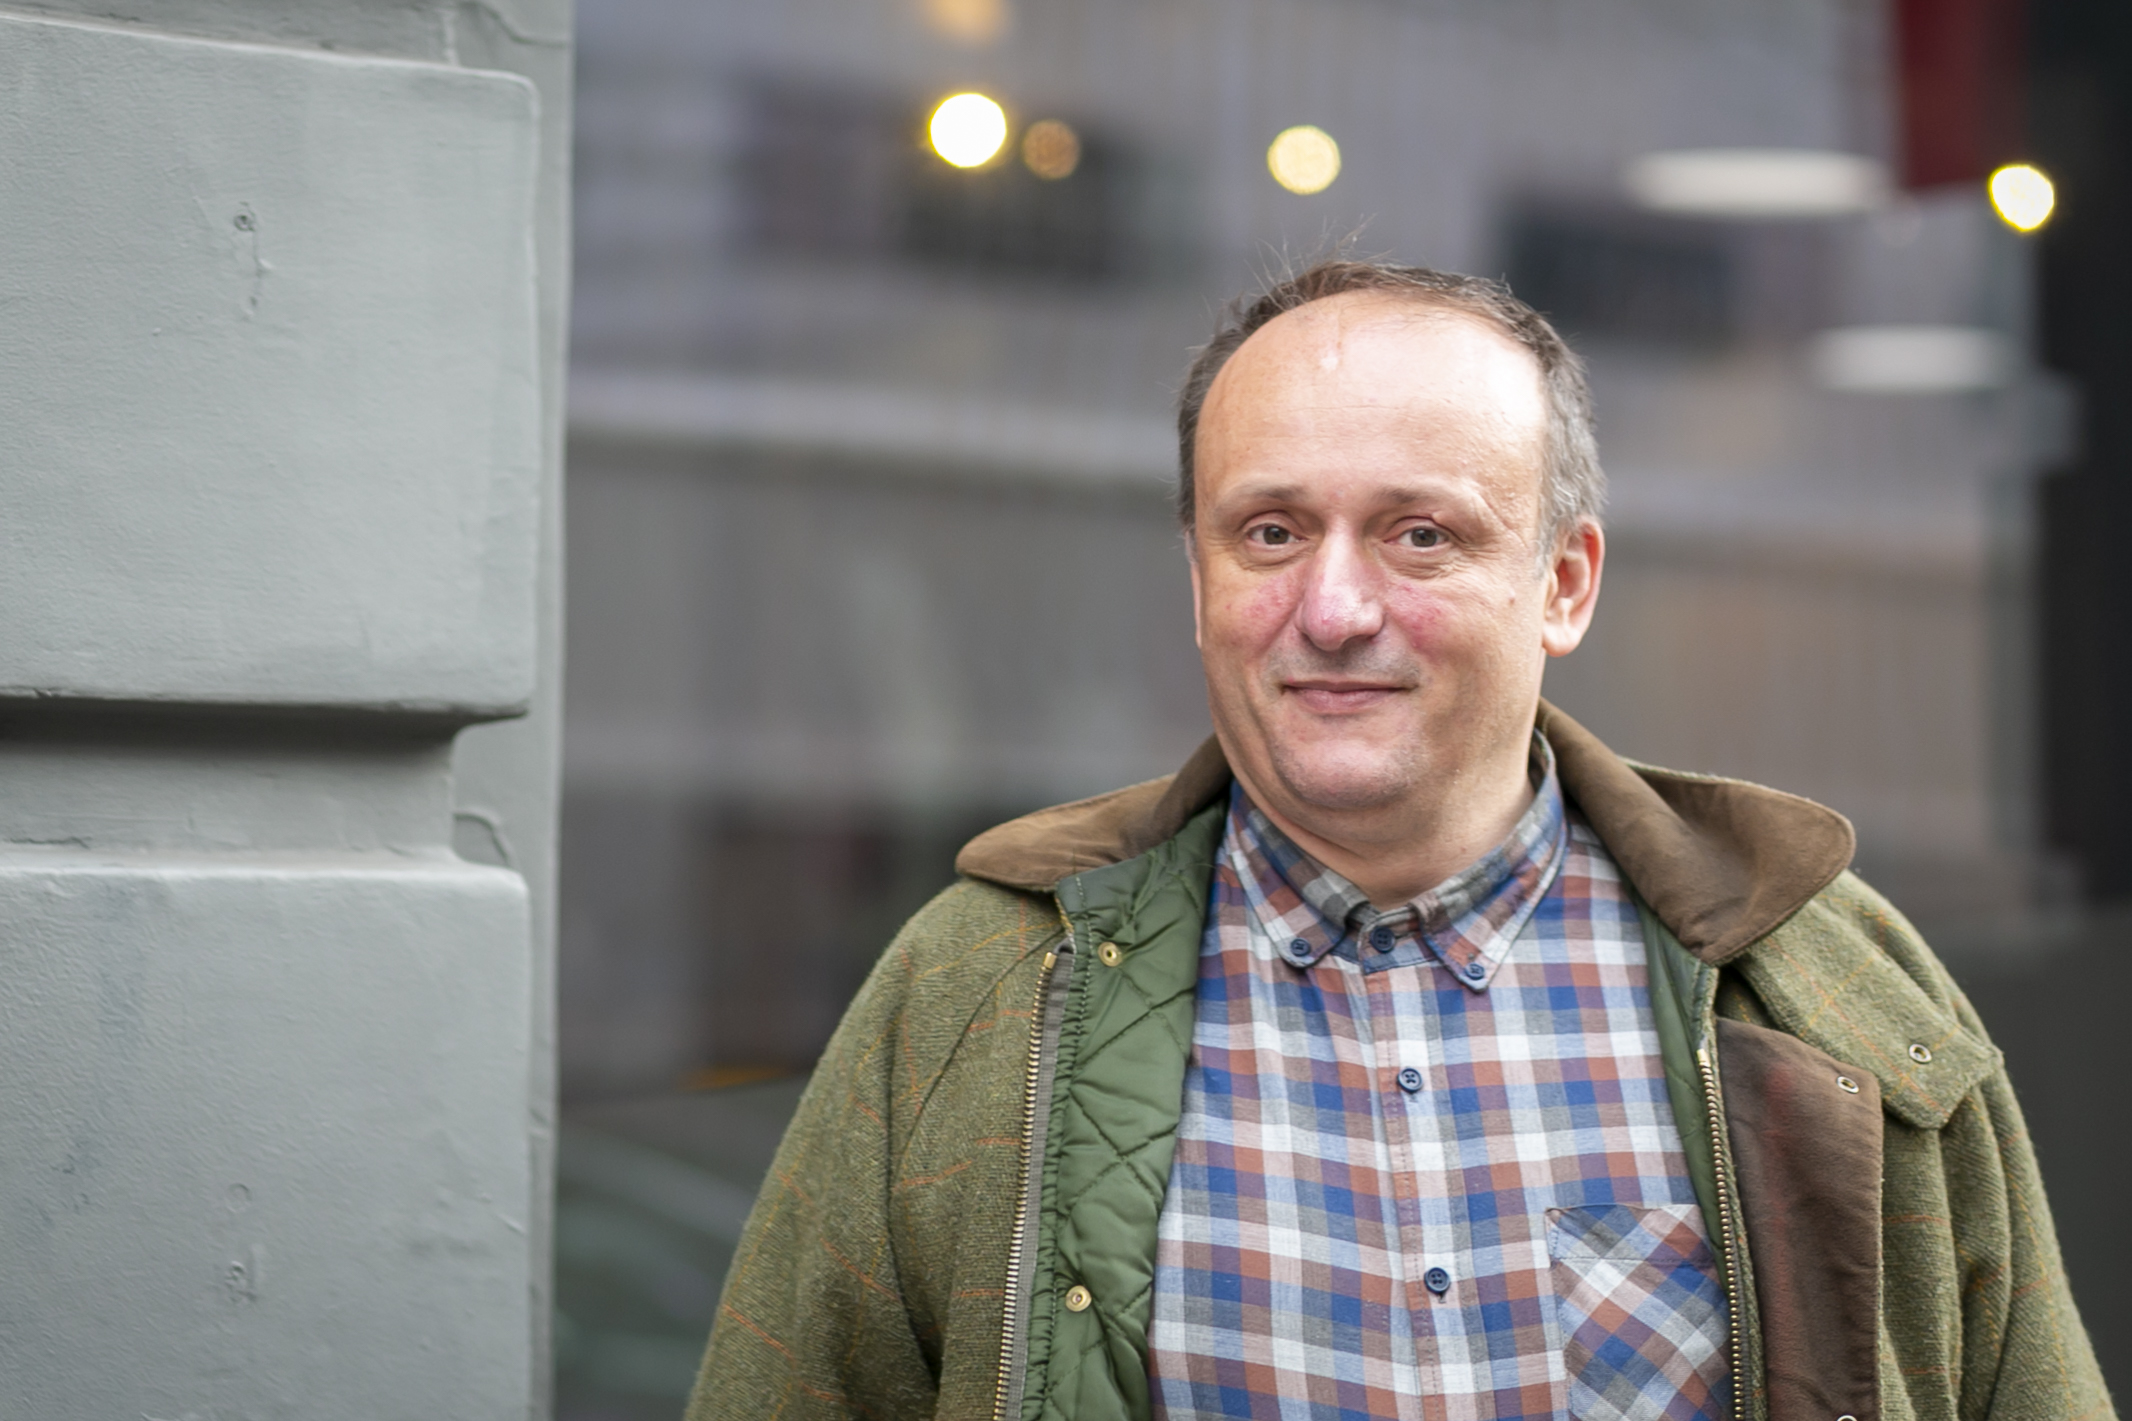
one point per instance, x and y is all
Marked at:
(1437, 1281)
(1476, 969)
(1409, 1080)
(1382, 938)
(1299, 950)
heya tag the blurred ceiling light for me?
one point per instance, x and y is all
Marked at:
(1304, 159)
(1910, 360)
(970, 22)
(1051, 149)
(1749, 183)
(967, 129)
(2023, 196)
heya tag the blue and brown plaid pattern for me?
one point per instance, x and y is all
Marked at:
(1427, 1166)
(1632, 1289)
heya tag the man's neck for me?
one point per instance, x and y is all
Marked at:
(1398, 852)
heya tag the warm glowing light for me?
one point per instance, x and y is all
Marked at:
(1051, 149)
(970, 22)
(968, 129)
(1304, 159)
(2023, 196)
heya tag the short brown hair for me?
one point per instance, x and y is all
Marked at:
(1572, 484)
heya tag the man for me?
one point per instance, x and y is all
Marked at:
(1407, 1053)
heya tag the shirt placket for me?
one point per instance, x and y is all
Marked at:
(1408, 1068)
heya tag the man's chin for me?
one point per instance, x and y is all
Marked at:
(1348, 779)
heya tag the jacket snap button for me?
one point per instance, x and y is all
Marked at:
(1846, 1417)
(1109, 954)
(1078, 1298)
(1846, 1084)
(1922, 1054)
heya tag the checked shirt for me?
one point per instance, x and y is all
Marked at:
(1427, 1167)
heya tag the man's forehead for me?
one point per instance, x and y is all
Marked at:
(1368, 402)
(1359, 355)
(1375, 348)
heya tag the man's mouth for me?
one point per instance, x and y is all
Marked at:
(1342, 697)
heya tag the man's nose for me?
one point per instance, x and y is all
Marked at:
(1342, 597)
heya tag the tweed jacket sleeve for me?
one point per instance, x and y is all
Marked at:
(869, 1279)
(1976, 1320)
(2025, 1352)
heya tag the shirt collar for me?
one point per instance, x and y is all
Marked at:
(1467, 923)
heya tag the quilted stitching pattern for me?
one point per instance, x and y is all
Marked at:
(1127, 1037)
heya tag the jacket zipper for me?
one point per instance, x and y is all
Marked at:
(1036, 1118)
(1706, 1067)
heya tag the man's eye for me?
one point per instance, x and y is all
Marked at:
(1273, 535)
(1424, 537)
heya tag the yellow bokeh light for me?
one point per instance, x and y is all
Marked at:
(1304, 159)
(2023, 196)
(1051, 149)
(968, 129)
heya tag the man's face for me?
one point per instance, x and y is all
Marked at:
(1374, 608)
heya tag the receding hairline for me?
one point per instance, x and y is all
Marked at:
(1425, 307)
(1572, 481)
(1435, 313)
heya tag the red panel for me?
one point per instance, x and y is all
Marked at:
(1961, 71)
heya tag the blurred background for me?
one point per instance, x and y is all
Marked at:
(871, 449)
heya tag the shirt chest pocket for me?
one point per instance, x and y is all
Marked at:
(1641, 1313)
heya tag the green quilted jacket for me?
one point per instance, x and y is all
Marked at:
(961, 1220)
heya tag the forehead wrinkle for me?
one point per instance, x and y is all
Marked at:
(1249, 492)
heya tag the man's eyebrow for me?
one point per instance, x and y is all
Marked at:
(1263, 493)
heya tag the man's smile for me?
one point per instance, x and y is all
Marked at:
(1331, 697)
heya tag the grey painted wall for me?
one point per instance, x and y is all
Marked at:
(280, 457)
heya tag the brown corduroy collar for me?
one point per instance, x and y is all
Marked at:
(1721, 862)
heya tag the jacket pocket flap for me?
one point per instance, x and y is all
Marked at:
(1826, 979)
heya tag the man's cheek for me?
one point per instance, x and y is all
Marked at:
(1249, 614)
(1428, 621)
(1267, 608)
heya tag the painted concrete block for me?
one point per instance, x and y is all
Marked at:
(270, 418)
(264, 1152)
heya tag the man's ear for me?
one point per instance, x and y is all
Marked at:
(1572, 587)
(1191, 559)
